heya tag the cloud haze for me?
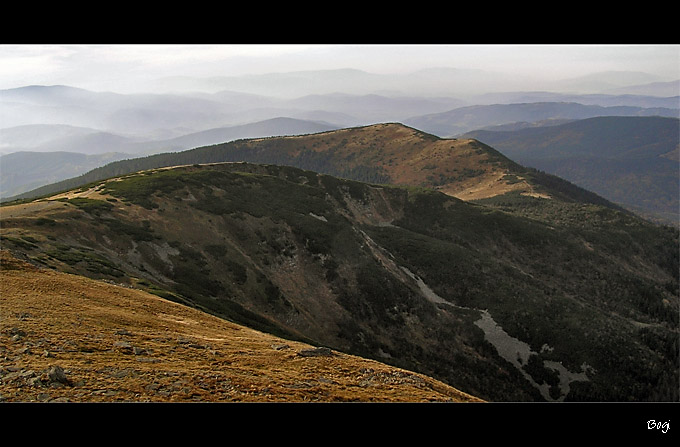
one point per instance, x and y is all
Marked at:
(126, 68)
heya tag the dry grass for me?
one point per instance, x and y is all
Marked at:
(116, 344)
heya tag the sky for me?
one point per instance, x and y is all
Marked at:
(121, 67)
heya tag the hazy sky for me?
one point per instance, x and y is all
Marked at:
(119, 67)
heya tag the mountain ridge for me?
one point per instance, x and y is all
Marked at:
(379, 153)
(406, 275)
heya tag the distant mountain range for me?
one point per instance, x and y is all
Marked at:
(465, 119)
(604, 100)
(436, 81)
(24, 171)
(161, 116)
(149, 117)
(130, 126)
(629, 160)
(63, 152)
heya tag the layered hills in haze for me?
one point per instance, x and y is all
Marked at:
(529, 289)
(109, 126)
(55, 157)
(465, 119)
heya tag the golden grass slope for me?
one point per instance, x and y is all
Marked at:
(67, 338)
(462, 168)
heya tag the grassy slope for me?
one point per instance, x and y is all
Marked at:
(287, 251)
(118, 344)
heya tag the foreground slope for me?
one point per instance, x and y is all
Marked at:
(554, 300)
(66, 338)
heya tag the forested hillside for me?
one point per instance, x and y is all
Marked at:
(632, 161)
(583, 297)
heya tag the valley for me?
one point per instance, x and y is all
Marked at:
(633, 161)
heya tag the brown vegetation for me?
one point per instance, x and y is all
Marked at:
(68, 338)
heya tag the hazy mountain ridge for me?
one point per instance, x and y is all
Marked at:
(400, 274)
(279, 126)
(622, 82)
(604, 100)
(25, 170)
(668, 88)
(143, 114)
(147, 115)
(127, 114)
(458, 121)
(36, 135)
(435, 81)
